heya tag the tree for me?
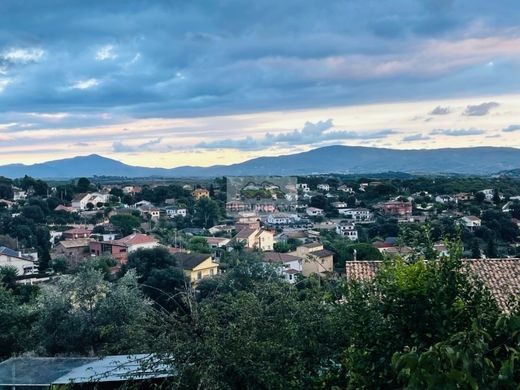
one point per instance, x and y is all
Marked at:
(480, 197)
(491, 248)
(6, 191)
(207, 212)
(83, 185)
(126, 223)
(86, 314)
(158, 275)
(199, 244)
(281, 247)
(8, 276)
(496, 196)
(475, 249)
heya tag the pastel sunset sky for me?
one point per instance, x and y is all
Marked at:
(204, 82)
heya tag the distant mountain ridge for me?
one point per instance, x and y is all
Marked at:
(330, 159)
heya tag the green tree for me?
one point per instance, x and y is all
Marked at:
(207, 212)
(199, 244)
(88, 315)
(83, 185)
(126, 223)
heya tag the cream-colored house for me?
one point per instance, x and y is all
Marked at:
(315, 259)
(256, 238)
(197, 266)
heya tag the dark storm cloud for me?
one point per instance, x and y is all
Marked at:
(170, 58)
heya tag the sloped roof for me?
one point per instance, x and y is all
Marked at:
(321, 253)
(500, 276)
(77, 243)
(188, 261)
(276, 257)
(245, 233)
(135, 239)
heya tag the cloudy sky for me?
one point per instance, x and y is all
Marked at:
(202, 82)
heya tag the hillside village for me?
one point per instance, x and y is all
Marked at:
(47, 230)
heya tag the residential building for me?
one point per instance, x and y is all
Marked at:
(347, 230)
(77, 232)
(8, 204)
(346, 189)
(151, 212)
(23, 264)
(471, 222)
(323, 187)
(339, 205)
(315, 259)
(445, 199)
(256, 238)
(282, 219)
(173, 212)
(464, 196)
(357, 214)
(119, 249)
(289, 265)
(67, 209)
(304, 187)
(197, 266)
(74, 250)
(199, 193)
(397, 208)
(81, 201)
(314, 212)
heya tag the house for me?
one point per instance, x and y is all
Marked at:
(464, 196)
(197, 266)
(221, 229)
(289, 265)
(173, 212)
(357, 214)
(323, 187)
(471, 222)
(217, 242)
(131, 190)
(23, 264)
(8, 204)
(346, 189)
(152, 212)
(339, 205)
(81, 201)
(236, 206)
(315, 259)
(314, 212)
(74, 250)
(396, 208)
(304, 187)
(282, 219)
(19, 194)
(265, 207)
(142, 203)
(488, 193)
(256, 238)
(445, 199)
(119, 249)
(347, 230)
(78, 232)
(500, 276)
(199, 193)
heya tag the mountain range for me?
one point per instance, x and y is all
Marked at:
(330, 159)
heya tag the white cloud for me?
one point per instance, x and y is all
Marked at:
(106, 53)
(85, 84)
(23, 55)
(4, 83)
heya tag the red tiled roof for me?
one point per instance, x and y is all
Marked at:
(500, 276)
(135, 239)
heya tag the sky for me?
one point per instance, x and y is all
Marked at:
(205, 82)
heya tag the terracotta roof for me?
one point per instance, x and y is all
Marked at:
(135, 239)
(79, 230)
(216, 240)
(500, 276)
(276, 257)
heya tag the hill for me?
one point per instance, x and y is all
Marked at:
(331, 159)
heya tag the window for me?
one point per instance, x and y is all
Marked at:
(199, 275)
(212, 272)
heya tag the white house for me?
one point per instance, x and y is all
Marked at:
(176, 212)
(289, 265)
(444, 199)
(282, 219)
(358, 213)
(314, 211)
(24, 265)
(471, 222)
(323, 187)
(81, 201)
(347, 230)
(303, 186)
(346, 189)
